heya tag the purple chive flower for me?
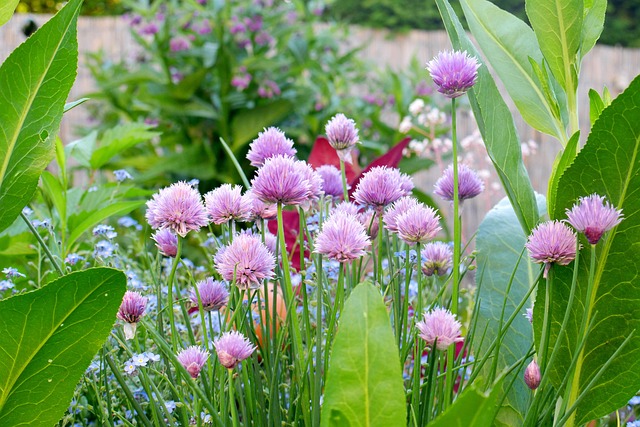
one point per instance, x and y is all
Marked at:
(552, 242)
(166, 242)
(418, 224)
(178, 44)
(131, 310)
(399, 207)
(213, 294)
(178, 207)
(343, 238)
(342, 135)
(268, 89)
(439, 324)
(331, 180)
(149, 29)
(270, 241)
(315, 184)
(469, 184)
(226, 203)
(370, 222)
(270, 143)
(232, 348)
(453, 73)
(528, 314)
(532, 375)
(437, 258)
(593, 216)
(282, 179)
(193, 359)
(259, 209)
(382, 186)
(347, 208)
(247, 260)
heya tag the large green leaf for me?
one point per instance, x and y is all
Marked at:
(119, 139)
(472, 409)
(609, 165)
(592, 24)
(562, 162)
(364, 381)
(48, 338)
(34, 84)
(558, 28)
(247, 123)
(6, 10)
(497, 128)
(508, 43)
(500, 246)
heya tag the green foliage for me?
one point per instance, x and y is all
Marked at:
(608, 165)
(6, 10)
(89, 7)
(49, 337)
(47, 62)
(472, 408)
(500, 247)
(364, 381)
(497, 128)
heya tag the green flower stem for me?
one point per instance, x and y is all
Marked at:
(174, 266)
(42, 244)
(457, 226)
(379, 255)
(232, 399)
(425, 413)
(586, 317)
(420, 296)
(125, 388)
(318, 370)
(345, 191)
(546, 323)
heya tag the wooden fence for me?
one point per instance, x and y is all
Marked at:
(613, 67)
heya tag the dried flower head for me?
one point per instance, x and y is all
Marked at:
(226, 203)
(193, 359)
(166, 242)
(270, 143)
(382, 186)
(213, 294)
(247, 260)
(331, 180)
(469, 184)
(454, 72)
(418, 224)
(342, 135)
(131, 310)
(282, 180)
(178, 207)
(594, 216)
(532, 375)
(437, 258)
(439, 324)
(232, 348)
(552, 242)
(343, 238)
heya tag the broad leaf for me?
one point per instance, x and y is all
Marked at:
(497, 128)
(48, 338)
(558, 27)
(592, 24)
(609, 165)
(500, 247)
(472, 409)
(46, 64)
(508, 43)
(6, 10)
(364, 381)
(119, 139)
(560, 165)
(247, 123)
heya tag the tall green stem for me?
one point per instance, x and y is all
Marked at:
(232, 399)
(546, 323)
(174, 266)
(345, 191)
(42, 243)
(457, 229)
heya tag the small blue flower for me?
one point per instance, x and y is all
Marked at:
(122, 175)
(139, 359)
(73, 258)
(128, 222)
(105, 230)
(12, 273)
(170, 405)
(6, 285)
(92, 189)
(45, 223)
(152, 357)
(27, 211)
(194, 183)
(103, 249)
(130, 368)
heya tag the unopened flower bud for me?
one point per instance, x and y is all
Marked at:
(532, 375)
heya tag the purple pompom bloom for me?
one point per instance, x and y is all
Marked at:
(343, 238)
(552, 242)
(347, 208)
(331, 180)
(418, 224)
(439, 324)
(178, 44)
(454, 73)
(593, 216)
(469, 184)
(399, 207)
(282, 179)
(178, 207)
(131, 310)
(213, 294)
(259, 209)
(270, 143)
(226, 203)
(247, 260)
(382, 186)
(342, 135)
(166, 241)
(233, 348)
(193, 359)
(437, 258)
